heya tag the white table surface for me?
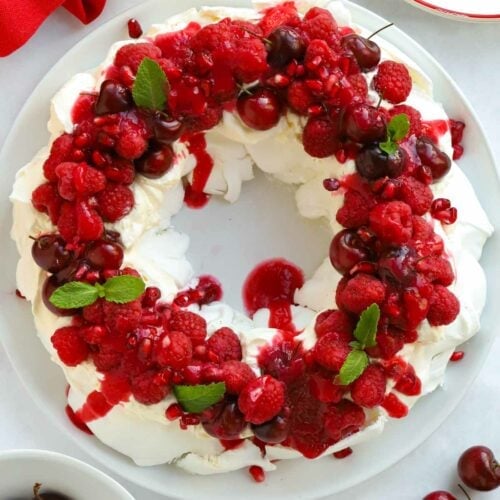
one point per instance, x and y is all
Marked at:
(470, 54)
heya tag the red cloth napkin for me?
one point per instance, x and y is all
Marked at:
(19, 19)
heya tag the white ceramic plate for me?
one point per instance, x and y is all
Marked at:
(295, 478)
(462, 10)
(21, 469)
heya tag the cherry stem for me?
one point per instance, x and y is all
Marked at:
(379, 30)
(32, 238)
(36, 491)
(465, 492)
(379, 102)
(263, 38)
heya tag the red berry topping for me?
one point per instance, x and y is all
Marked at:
(224, 420)
(343, 419)
(331, 352)
(131, 55)
(355, 211)
(436, 269)
(393, 82)
(66, 223)
(357, 293)
(415, 194)
(189, 323)
(324, 389)
(369, 389)
(321, 137)
(71, 348)
(46, 199)
(94, 313)
(60, 151)
(300, 97)
(275, 431)
(334, 321)
(174, 349)
(115, 202)
(262, 399)
(413, 115)
(319, 54)
(359, 87)
(224, 345)
(444, 307)
(146, 388)
(319, 24)
(392, 222)
(89, 225)
(260, 110)
(122, 318)
(236, 375)
(282, 14)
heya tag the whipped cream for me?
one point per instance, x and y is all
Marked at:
(142, 432)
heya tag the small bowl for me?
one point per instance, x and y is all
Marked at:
(21, 469)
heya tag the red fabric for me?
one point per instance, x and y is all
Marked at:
(19, 19)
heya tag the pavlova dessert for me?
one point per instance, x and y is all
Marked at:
(158, 366)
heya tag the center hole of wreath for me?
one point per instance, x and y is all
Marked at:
(228, 240)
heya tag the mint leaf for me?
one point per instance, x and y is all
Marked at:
(366, 328)
(397, 129)
(353, 367)
(73, 295)
(122, 289)
(196, 398)
(150, 86)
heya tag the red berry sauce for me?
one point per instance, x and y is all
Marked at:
(194, 196)
(76, 420)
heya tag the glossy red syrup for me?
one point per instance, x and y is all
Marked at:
(269, 282)
(114, 389)
(407, 381)
(257, 473)
(394, 406)
(194, 197)
(280, 316)
(76, 420)
(208, 289)
(83, 109)
(231, 444)
(355, 182)
(435, 128)
(343, 453)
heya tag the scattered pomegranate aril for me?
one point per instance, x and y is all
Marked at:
(134, 28)
(457, 356)
(257, 473)
(113, 97)
(343, 453)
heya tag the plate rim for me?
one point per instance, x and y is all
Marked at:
(454, 14)
(358, 10)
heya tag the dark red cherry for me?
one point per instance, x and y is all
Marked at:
(285, 44)
(49, 287)
(166, 130)
(431, 156)
(478, 468)
(225, 421)
(440, 495)
(102, 254)
(49, 252)
(156, 162)
(366, 52)
(113, 97)
(398, 265)
(275, 431)
(346, 250)
(373, 163)
(260, 110)
(364, 123)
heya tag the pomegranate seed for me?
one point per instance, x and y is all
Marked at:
(291, 69)
(458, 151)
(331, 81)
(82, 140)
(177, 378)
(457, 356)
(144, 350)
(363, 267)
(106, 141)
(190, 420)
(78, 155)
(98, 158)
(134, 28)
(365, 234)
(173, 412)
(314, 63)
(343, 453)
(92, 276)
(440, 204)
(162, 378)
(331, 184)
(424, 174)
(341, 155)
(314, 85)
(390, 190)
(279, 80)
(448, 216)
(315, 110)
(257, 473)
(322, 72)
(127, 76)
(345, 65)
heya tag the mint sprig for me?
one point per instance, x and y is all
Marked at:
(365, 334)
(196, 398)
(151, 86)
(397, 129)
(119, 289)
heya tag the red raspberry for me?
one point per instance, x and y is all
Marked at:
(132, 140)
(408, 383)
(224, 345)
(444, 307)
(334, 321)
(359, 87)
(189, 323)
(60, 151)
(186, 101)
(208, 120)
(66, 223)
(299, 97)
(392, 82)
(46, 199)
(343, 419)
(324, 390)
(70, 347)
(319, 24)
(147, 389)
(94, 334)
(65, 184)
(120, 171)
(115, 202)
(88, 222)
(94, 313)
(320, 55)
(359, 292)
(88, 180)
(122, 318)
(389, 343)
(282, 14)
(416, 194)
(131, 55)
(321, 137)
(106, 359)
(237, 376)
(457, 131)
(413, 115)
(175, 45)
(436, 269)
(392, 222)
(331, 352)
(262, 399)
(355, 211)
(424, 239)
(174, 349)
(369, 389)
